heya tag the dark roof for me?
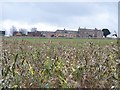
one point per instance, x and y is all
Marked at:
(35, 32)
(65, 31)
(60, 31)
(70, 31)
(89, 29)
(45, 32)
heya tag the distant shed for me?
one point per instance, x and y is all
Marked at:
(2, 33)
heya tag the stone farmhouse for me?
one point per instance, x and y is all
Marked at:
(80, 33)
(90, 33)
(66, 33)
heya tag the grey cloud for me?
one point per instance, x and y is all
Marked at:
(65, 11)
(61, 13)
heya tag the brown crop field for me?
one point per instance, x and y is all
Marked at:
(59, 63)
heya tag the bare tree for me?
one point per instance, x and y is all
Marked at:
(12, 30)
(34, 29)
(23, 31)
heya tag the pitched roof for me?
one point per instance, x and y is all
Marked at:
(65, 31)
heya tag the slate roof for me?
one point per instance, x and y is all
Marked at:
(66, 31)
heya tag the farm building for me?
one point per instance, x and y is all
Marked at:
(66, 33)
(81, 33)
(2, 33)
(47, 34)
(41, 34)
(34, 34)
(16, 33)
(90, 33)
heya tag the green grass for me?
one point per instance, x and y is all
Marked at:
(79, 40)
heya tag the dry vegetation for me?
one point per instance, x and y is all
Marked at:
(59, 64)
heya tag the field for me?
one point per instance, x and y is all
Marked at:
(58, 62)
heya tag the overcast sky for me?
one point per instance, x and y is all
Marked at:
(49, 16)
